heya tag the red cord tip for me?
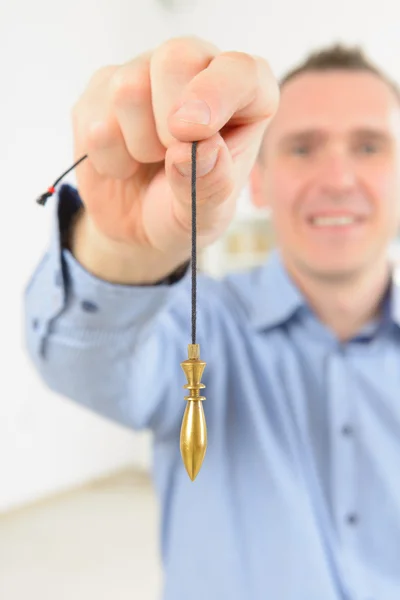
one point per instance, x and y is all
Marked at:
(51, 190)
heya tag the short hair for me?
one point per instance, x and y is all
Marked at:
(342, 57)
(337, 57)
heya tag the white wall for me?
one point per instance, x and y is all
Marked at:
(284, 31)
(48, 51)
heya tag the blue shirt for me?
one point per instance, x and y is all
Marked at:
(298, 497)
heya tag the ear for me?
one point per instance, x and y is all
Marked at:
(258, 196)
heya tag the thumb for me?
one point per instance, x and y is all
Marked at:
(214, 183)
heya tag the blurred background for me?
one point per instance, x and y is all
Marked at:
(78, 518)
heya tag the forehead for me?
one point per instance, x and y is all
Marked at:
(336, 100)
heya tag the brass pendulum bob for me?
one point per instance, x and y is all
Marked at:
(193, 440)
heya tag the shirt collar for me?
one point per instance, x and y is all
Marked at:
(278, 298)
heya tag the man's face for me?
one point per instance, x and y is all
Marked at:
(331, 171)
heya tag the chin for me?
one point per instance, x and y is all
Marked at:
(334, 268)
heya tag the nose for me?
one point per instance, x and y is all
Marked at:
(337, 173)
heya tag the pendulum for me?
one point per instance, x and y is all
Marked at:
(193, 437)
(193, 441)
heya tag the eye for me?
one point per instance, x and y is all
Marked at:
(368, 148)
(301, 150)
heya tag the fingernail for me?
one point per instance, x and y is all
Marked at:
(195, 111)
(203, 165)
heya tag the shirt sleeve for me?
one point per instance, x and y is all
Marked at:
(115, 349)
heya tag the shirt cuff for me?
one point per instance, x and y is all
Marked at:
(95, 303)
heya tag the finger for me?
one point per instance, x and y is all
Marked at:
(131, 99)
(236, 88)
(107, 150)
(97, 132)
(173, 66)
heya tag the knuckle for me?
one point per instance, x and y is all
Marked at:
(247, 61)
(274, 96)
(266, 72)
(131, 85)
(173, 49)
(104, 134)
(183, 49)
(269, 86)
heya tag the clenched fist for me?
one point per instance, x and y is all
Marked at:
(136, 122)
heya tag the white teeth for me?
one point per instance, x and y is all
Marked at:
(332, 221)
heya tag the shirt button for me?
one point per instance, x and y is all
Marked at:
(352, 519)
(35, 324)
(347, 430)
(88, 306)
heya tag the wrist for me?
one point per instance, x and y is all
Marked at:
(119, 262)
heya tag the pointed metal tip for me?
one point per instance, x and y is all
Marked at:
(192, 470)
(191, 475)
(193, 460)
(192, 478)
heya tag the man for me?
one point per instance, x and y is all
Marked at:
(299, 495)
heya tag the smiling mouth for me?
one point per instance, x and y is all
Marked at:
(335, 221)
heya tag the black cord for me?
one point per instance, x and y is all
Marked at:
(51, 190)
(44, 197)
(194, 249)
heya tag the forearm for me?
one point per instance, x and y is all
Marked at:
(103, 345)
